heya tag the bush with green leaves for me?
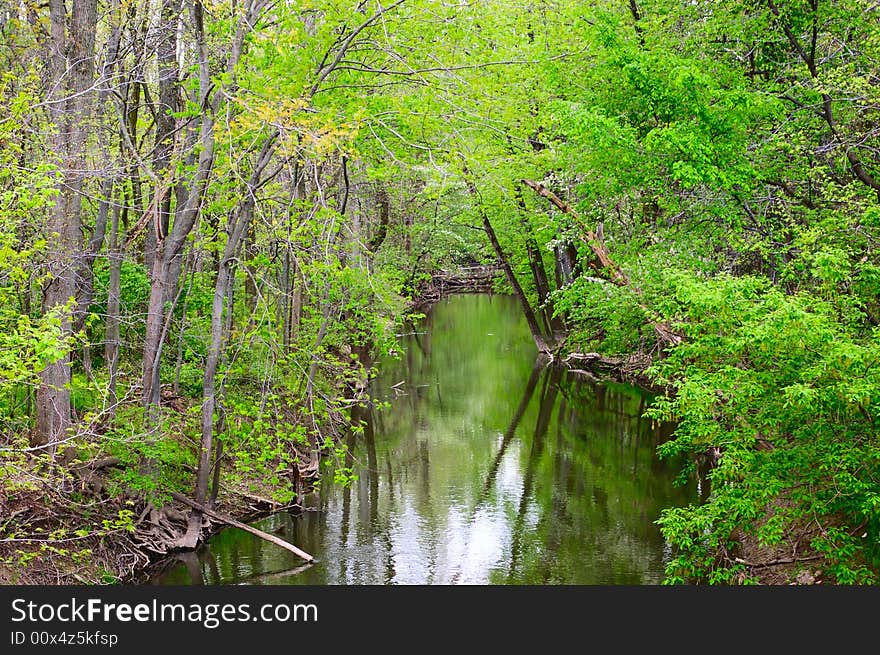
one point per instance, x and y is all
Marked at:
(791, 397)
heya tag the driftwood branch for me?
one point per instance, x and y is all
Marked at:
(243, 526)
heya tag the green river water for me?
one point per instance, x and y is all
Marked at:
(484, 469)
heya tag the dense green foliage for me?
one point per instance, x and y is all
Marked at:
(318, 162)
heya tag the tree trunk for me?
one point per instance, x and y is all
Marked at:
(180, 334)
(215, 483)
(166, 263)
(166, 124)
(541, 340)
(239, 222)
(285, 299)
(539, 275)
(111, 339)
(384, 203)
(537, 334)
(85, 279)
(208, 394)
(71, 58)
(169, 249)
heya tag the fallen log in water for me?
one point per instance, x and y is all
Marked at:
(243, 526)
(473, 279)
(469, 279)
(264, 577)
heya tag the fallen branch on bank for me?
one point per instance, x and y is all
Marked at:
(594, 358)
(243, 526)
(595, 366)
(777, 562)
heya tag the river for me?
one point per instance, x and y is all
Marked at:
(483, 468)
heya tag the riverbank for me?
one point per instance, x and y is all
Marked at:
(88, 521)
(92, 555)
(123, 551)
(789, 561)
(75, 525)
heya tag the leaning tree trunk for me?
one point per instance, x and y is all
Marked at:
(541, 340)
(209, 398)
(225, 279)
(539, 274)
(606, 264)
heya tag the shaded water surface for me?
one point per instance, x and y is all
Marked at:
(483, 469)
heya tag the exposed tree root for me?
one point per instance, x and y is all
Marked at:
(69, 530)
(629, 368)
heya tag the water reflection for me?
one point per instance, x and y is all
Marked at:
(488, 468)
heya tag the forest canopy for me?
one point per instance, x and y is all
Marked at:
(215, 215)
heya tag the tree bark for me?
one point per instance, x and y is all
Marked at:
(166, 267)
(168, 252)
(166, 124)
(71, 58)
(539, 274)
(209, 399)
(384, 213)
(111, 338)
